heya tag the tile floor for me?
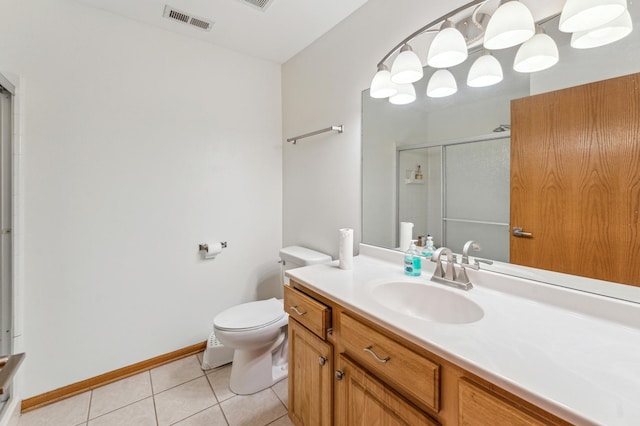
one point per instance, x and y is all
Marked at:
(179, 393)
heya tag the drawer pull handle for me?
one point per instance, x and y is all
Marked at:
(322, 360)
(381, 360)
(339, 375)
(295, 309)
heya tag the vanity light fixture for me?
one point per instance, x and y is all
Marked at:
(407, 67)
(582, 15)
(448, 48)
(510, 25)
(593, 23)
(405, 95)
(615, 30)
(485, 71)
(441, 84)
(381, 85)
(536, 54)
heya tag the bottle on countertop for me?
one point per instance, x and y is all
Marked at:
(429, 248)
(412, 261)
(421, 241)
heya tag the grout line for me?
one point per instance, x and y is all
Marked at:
(153, 397)
(279, 418)
(89, 408)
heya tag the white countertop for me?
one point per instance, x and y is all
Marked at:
(574, 354)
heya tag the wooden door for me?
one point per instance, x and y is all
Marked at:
(310, 377)
(575, 180)
(362, 400)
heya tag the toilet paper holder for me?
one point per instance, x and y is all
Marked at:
(204, 249)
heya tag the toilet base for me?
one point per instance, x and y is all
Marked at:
(253, 371)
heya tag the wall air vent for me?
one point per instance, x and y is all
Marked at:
(185, 18)
(260, 4)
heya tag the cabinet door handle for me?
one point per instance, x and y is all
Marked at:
(295, 309)
(322, 360)
(339, 374)
(375, 355)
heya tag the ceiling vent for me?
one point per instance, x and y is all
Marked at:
(185, 18)
(259, 4)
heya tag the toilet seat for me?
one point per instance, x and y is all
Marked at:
(250, 316)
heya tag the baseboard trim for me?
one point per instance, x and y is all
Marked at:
(106, 378)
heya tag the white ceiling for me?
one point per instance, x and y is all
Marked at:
(283, 29)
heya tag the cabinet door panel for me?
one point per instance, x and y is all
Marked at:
(310, 377)
(361, 400)
(479, 407)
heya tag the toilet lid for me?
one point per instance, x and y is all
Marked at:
(249, 316)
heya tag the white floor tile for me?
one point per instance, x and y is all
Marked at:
(219, 379)
(282, 391)
(118, 394)
(183, 401)
(141, 413)
(258, 409)
(69, 412)
(176, 373)
(282, 421)
(210, 417)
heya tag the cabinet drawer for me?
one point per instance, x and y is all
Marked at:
(408, 372)
(307, 311)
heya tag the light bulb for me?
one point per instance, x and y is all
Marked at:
(406, 68)
(583, 15)
(510, 25)
(442, 83)
(381, 85)
(485, 71)
(536, 54)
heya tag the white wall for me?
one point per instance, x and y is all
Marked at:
(139, 144)
(322, 86)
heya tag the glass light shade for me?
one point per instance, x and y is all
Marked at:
(406, 94)
(406, 68)
(582, 15)
(615, 30)
(485, 71)
(441, 84)
(536, 54)
(381, 85)
(447, 49)
(510, 25)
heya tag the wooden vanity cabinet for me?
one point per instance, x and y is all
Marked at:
(345, 370)
(362, 400)
(310, 360)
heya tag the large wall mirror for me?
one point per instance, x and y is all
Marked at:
(461, 145)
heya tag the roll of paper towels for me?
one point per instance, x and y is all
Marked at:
(346, 248)
(406, 235)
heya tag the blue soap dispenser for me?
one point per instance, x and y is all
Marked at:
(412, 261)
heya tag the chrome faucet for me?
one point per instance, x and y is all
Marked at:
(476, 261)
(456, 277)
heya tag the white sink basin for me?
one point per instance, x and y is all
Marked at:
(428, 302)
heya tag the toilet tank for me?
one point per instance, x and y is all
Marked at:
(296, 257)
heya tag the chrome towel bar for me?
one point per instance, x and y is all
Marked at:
(338, 129)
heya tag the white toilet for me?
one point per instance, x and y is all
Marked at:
(257, 331)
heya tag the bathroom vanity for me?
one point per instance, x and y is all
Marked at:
(372, 346)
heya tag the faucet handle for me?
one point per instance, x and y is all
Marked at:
(477, 261)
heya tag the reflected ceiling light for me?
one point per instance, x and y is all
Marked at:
(406, 94)
(407, 67)
(615, 30)
(448, 48)
(485, 71)
(536, 54)
(381, 85)
(441, 84)
(510, 25)
(582, 15)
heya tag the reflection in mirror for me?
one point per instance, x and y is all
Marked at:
(396, 138)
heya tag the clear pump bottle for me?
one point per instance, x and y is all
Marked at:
(429, 248)
(412, 261)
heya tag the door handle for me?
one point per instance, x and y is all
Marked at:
(518, 232)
